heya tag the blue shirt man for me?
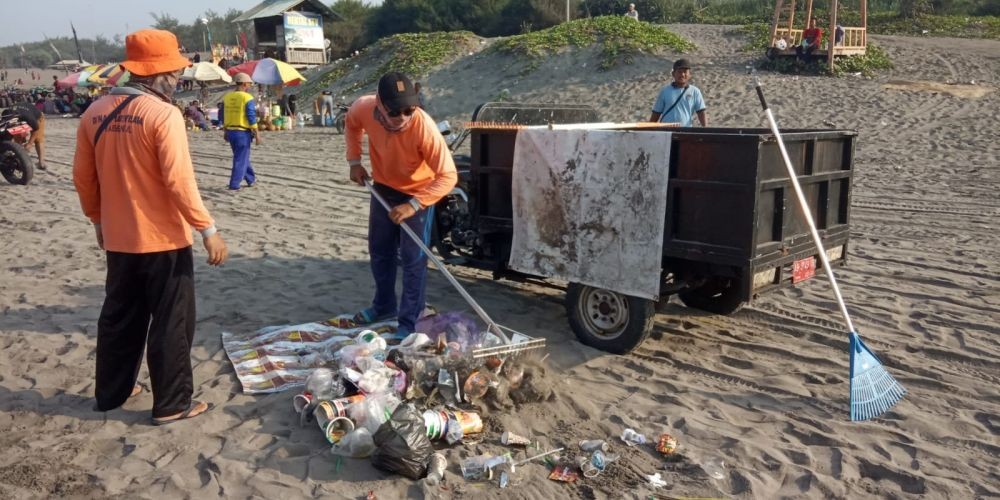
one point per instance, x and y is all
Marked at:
(680, 101)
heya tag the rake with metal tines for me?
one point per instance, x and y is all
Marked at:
(873, 390)
(514, 345)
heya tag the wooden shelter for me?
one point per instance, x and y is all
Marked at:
(287, 30)
(854, 42)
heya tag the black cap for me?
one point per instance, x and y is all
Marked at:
(682, 64)
(396, 92)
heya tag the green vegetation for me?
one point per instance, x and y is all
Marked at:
(411, 53)
(620, 39)
(416, 53)
(758, 36)
(931, 25)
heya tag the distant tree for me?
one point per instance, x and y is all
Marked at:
(913, 8)
(403, 16)
(349, 33)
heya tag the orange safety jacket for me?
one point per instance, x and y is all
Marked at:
(138, 183)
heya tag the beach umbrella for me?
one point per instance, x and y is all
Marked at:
(206, 72)
(274, 72)
(103, 73)
(246, 67)
(80, 78)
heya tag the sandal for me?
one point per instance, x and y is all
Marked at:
(189, 413)
(363, 317)
(136, 390)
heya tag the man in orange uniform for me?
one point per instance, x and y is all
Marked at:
(135, 180)
(412, 169)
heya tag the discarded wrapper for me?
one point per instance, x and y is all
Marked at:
(510, 439)
(564, 473)
(471, 423)
(667, 444)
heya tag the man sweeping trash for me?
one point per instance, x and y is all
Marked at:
(412, 169)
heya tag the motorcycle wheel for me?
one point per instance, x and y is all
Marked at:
(15, 164)
(338, 123)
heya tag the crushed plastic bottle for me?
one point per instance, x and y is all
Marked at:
(632, 438)
(324, 385)
(715, 467)
(435, 469)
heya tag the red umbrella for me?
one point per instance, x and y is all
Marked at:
(246, 67)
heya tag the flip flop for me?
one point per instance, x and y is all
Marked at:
(187, 414)
(363, 317)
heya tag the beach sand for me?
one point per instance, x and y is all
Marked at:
(765, 390)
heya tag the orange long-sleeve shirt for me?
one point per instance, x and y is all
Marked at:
(138, 183)
(415, 160)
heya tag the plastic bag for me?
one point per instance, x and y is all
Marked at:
(373, 411)
(401, 444)
(355, 444)
(456, 326)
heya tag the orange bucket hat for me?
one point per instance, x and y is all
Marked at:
(151, 52)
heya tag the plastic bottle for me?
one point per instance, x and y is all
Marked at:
(435, 469)
(324, 385)
(590, 445)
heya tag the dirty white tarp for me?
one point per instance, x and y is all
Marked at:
(589, 207)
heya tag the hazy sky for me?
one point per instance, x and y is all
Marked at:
(27, 21)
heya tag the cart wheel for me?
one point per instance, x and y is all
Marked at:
(15, 164)
(608, 320)
(718, 295)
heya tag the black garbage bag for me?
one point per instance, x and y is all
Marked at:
(401, 444)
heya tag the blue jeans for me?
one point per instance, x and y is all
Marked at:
(389, 246)
(240, 141)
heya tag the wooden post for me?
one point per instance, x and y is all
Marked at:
(791, 17)
(809, 12)
(864, 24)
(774, 24)
(832, 35)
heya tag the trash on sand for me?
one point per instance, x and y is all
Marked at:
(632, 438)
(589, 445)
(656, 481)
(324, 384)
(435, 469)
(564, 473)
(401, 444)
(475, 469)
(355, 444)
(715, 467)
(510, 439)
(667, 444)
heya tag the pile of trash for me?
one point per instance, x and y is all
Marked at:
(392, 403)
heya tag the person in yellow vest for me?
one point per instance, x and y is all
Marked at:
(239, 122)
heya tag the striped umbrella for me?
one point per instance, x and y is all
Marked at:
(105, 73)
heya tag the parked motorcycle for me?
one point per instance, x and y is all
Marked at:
(15, 164)
(340, 118)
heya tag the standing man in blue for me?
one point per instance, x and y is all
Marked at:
(239, 119)
(680, 101)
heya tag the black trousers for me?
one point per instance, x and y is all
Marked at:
(149, 304)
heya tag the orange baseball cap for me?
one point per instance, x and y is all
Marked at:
(151, 52)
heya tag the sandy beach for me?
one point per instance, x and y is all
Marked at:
(765, 390)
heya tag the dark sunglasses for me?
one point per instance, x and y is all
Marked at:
(406, 112)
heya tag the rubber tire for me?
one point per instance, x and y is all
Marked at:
(638, 325)
(21, 156)
(339, 122)
(718, 296)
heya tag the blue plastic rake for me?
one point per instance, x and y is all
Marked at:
(873, 390)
